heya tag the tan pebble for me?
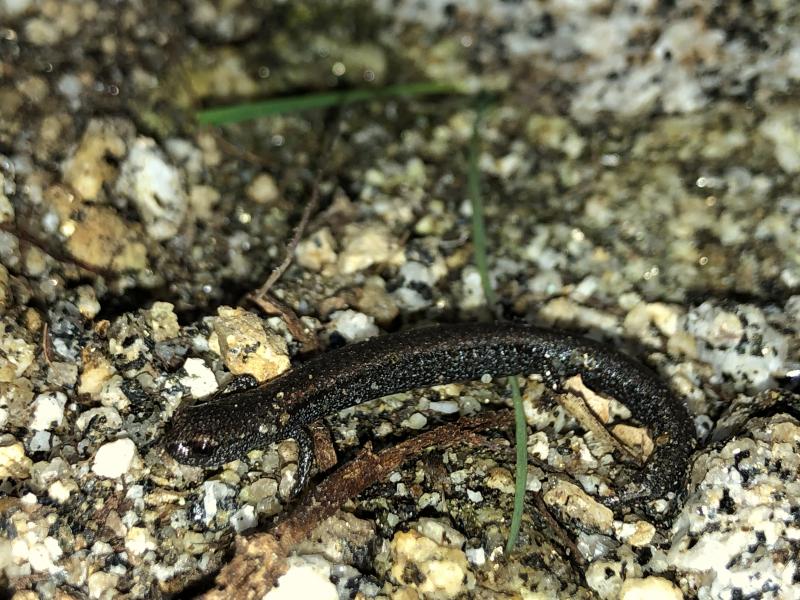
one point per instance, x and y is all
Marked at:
(104, 240)
(18, 356)
(6, 298)
(373, 299)
(210, 148)
(139, 540)
(194, 542)
(42, 32)
(101, 584)
(637, 534)
(316, 251)
(600, 406)
(367, 245)
(247, 347)
(202, 200)
(440, 571)
(635, 438)
(97, 370)
(682, 344)
(500, 479)
(649, 588)
(13, 462)
(263, 189)
(577, 504)
(89, 168)
(114, 459)
(163, 321)
(87, 302)
(6, 208)
(32, 320)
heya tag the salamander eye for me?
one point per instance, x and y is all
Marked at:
(194, 447)
(202, 445)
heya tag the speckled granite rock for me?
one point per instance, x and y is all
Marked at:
(737, 534)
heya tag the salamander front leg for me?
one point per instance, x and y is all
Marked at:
(305, 459)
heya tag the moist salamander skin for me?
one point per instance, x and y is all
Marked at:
(230, 424)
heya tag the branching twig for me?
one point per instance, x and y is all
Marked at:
(310, 208)
(579, 408)
(29, 238)
(261, 297)
(261, 559)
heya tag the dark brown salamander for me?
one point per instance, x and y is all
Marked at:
(227, 427)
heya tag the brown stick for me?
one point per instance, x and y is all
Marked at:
(47, 346)
(309, 209)
(261, 559)
(558, 531)
(29, 238)
(270, 305)
(237, 152)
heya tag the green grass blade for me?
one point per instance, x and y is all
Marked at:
(521, 471)
(482, 264)
(288, 104)
(478, 226)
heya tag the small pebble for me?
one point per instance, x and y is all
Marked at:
(317, 251)
(114, 459)
(199, 378)
(155, 187)
(415, 421)
(263, 189)
(307, 577)
(48, 410)
(649, 588)
(139, 540)
(577, 504)
(13, 462)
(353, 326)
(247, 347)
(442, 571)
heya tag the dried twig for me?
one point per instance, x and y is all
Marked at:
(324, 450)
(261, 559)
(589, 420)
(261, 297)
(28, 238)
(47, 346)
(272, 306)
(310, 208)
(558, 531)
(238, 152)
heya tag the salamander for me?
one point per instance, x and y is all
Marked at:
(221, 430)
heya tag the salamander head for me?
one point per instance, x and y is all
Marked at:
(211, 434)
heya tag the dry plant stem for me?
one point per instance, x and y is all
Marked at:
(29, 238)
(47, 348)
(277, 272)
(272, 306)
(324, 450)
(310, 208)
(261, 559)
(578, 408)
(562, 536)
(242, 153)
(261, 296)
